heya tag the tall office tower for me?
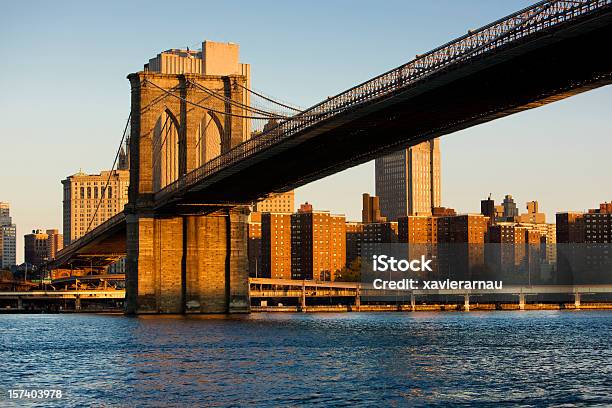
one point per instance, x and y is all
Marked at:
(36, 247)
(82, 194)
(487, 208)
(510, 209)
(276, 203)
(275, 246)
(370, 210)
(214, 58)
(8, 238)
(408, 181)
(55, 243)
(318, 244)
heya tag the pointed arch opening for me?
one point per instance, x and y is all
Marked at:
(165, 150)
(208, 139)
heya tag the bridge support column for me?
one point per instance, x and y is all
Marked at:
(216, 262)
(577, 300)
(188, 264)
(303, 298)
(154, 258)
(412, 302)
(521, 301)
(358, 298)
(77, 303)
(466, 302)
(19, 303)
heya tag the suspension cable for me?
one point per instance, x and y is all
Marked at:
(210, 109)
(269, 99)
(127, 124)
(236, 103)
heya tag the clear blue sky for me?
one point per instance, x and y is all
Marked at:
(64, 98)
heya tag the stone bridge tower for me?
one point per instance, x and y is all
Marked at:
(182, 117)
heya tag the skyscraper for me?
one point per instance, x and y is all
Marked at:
(510, 209)
(370, 211)
(8, 238)
(36, 247)
(408, 181)
(82, 194)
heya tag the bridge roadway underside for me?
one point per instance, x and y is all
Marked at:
(97, 253)
(544, 68)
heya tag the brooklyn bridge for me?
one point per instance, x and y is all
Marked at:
(195, 165)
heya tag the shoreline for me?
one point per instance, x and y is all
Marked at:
(438, 307)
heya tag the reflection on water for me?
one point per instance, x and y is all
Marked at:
(533, 358)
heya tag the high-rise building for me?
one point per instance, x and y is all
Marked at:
(487, 208)
(408, 181)
(570, 227)
(532, 215)
(8, 238)
(510, 209)
(417, 229)
(277, 203)
(591, 233)
(36, 247)
(55, 243)
(276, 245)
(354, 240)
(598, 224)
(41, 246)
(370, 210)
(318, 244)
(87, 203)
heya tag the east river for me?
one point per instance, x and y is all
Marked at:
(538, 358)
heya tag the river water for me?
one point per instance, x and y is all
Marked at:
(350, 359)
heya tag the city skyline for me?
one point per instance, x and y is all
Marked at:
(535, 164)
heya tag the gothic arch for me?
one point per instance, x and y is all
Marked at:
(165, 150)
(209, 138)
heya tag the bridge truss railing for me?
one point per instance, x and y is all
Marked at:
(85, 239)
(535, 18)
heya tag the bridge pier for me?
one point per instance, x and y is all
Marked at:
(412, 302)
(303, 298)
(358, 298)
(188, 264)
(77, 303)
(466, 302)
(577, 300)
(19, 303)
(521, 301)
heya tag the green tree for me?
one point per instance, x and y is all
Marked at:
(351, 272)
